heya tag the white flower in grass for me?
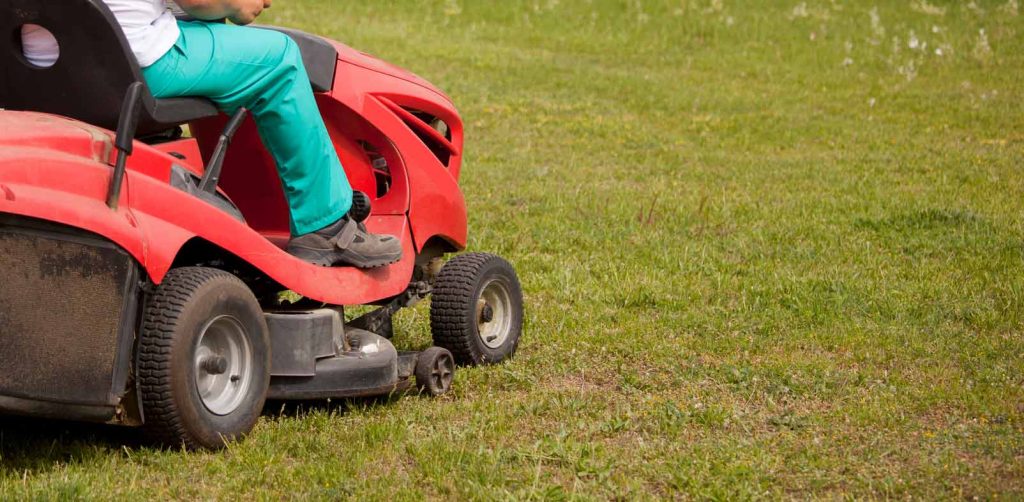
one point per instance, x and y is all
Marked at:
(926, 8)
(913, 43)
(908, 71)
(1010, 8)
(982, 49)
(799, 11)
(714, 6)
(877, 30)
(452, 8)
(876, 22)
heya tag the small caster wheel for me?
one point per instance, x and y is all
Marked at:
(435, 368)
(476, 310)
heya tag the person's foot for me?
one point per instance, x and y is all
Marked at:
(346, 242)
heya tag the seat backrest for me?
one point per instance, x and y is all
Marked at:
(318, 56)
(92, 75)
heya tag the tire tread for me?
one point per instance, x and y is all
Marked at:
(452, 306)
(163, 421)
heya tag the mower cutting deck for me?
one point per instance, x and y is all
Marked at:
(144, 272)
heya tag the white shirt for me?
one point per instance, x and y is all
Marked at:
(148, 25)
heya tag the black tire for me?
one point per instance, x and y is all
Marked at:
(435, 369)
(188, 305)
(456, 316)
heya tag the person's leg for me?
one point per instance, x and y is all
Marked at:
(262, 71)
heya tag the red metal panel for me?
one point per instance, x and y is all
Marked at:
(79, 202)
(168, 218)
(418, 125)
(249, 176)
(58, 169)
(423, 188)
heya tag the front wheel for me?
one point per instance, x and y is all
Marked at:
(435, 369)
(204, 359)
(476, 311)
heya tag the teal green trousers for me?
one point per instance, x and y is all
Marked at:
(262, 70)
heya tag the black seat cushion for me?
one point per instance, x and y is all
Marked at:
(181, 110)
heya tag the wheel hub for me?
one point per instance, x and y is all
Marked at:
(494, 309)
(215, 365)
(486, 313)
(441, 373)
(223, 365)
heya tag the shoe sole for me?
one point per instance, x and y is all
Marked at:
(323, 259)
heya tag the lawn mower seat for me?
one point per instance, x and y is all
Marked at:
(318, 55)
(92, 76)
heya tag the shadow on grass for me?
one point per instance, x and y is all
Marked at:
(294, 409)
(37, 445)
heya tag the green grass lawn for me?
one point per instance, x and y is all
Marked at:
(769, 249)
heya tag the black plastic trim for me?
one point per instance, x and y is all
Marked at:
(187, 182)
(61, 411)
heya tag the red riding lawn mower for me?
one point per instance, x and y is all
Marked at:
(144, 280)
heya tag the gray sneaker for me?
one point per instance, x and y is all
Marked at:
(346, 242)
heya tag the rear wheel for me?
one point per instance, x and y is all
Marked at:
(476, 310)
(204, 359)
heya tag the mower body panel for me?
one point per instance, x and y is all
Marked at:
(58, 169)
(399, 139)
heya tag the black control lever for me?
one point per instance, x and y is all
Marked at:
(212, 174)
(127, 122)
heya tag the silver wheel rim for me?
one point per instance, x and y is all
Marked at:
(496, 298)
(223, 365)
